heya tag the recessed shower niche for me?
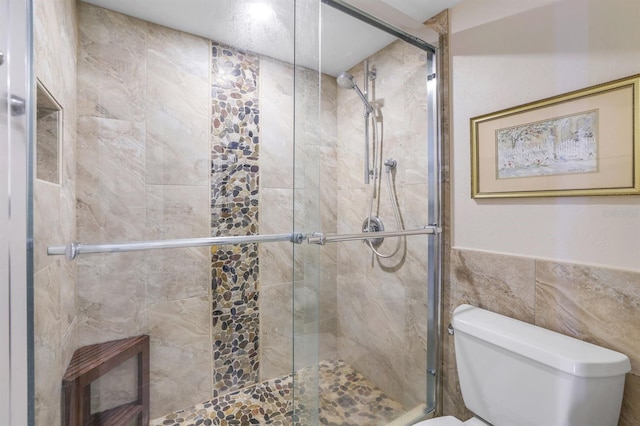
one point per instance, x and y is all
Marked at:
(48, 136)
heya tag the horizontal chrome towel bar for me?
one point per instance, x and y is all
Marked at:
(321, 239)
(72, 250)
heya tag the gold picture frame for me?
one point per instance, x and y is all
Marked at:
(581, 143)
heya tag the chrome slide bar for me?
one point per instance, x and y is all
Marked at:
(72, 250)
(321, 239)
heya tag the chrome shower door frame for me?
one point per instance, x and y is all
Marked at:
(434, 184)
(16, 381)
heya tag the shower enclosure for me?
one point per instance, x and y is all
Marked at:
(206, 189)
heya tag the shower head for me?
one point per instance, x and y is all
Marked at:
(346, 81)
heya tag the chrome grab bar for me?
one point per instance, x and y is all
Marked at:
(72, 250)
(321, 239)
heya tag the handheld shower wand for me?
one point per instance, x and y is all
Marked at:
(346, 81)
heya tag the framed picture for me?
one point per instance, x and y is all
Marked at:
(581, 143)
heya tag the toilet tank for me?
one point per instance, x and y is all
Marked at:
(514, 373)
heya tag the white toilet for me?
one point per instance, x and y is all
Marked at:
(515, 374)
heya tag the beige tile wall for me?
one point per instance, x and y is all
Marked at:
(594, 304)
(55, 307)
(143, 172)
(381, 303)
(311, 185)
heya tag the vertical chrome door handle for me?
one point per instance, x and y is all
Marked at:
(1, 58)
(18, 105)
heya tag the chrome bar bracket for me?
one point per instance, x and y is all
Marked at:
(316, 238)
(298, 237)
(435, 227)
(71, 251)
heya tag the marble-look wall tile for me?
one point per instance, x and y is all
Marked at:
(276, 217)
(328, 341)
(110, 188)
(169, 390)
(176, 211)
(630, 412)
(371, 329)
(328, 111)
(47, 230)
(143, 170)
(47, 317)
(54, 298)
(48, 375)
(276, 327)
(111, 296)
(177, 108)
(414, 213)
(328, 199)
(180, 327)
(598, 305)
(276, 132)
(497, 283)
(112, 66)
(307, 129)
(314, 209)
(320, 269)
(415, 354)
(180, 323)
(174, 274)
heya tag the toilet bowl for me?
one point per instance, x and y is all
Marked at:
(514, 373)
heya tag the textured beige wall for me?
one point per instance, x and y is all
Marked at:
(55, 307)
(143, 174)
(597, 303)
(382, 303)
(523, 57)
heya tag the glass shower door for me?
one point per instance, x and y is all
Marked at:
(368, 354)
(15, 73)
(177, 255)
(184, 141)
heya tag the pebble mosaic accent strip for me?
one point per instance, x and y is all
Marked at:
(234, 211)
(346, 398)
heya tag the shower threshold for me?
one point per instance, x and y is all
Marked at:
(345, 397)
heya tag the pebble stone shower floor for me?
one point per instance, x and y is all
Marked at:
(346, 398)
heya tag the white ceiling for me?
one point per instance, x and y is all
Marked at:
(267, 26)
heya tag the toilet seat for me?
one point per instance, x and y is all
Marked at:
(452, 421)
(441, 421)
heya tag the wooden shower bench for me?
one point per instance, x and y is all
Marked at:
(91, 362)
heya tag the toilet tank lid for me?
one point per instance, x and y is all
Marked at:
(552, 349)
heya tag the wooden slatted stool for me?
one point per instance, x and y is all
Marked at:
(88, 364)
